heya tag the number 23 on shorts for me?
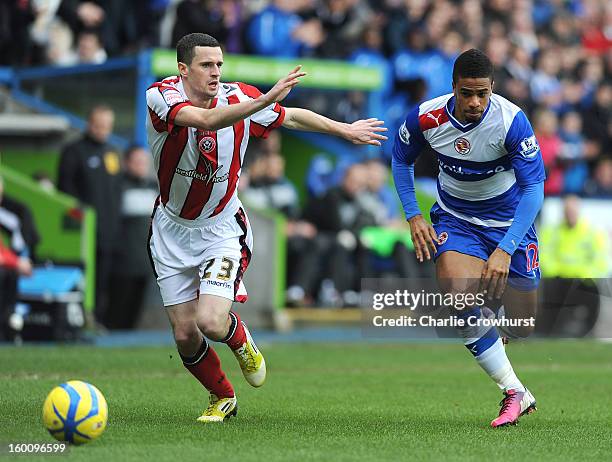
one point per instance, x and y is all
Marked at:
(223, 269)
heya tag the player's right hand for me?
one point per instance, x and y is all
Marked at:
(423, 236)
(282, 88)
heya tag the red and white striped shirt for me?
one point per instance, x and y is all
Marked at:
(198, 171)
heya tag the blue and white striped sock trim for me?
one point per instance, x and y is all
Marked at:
(478, 338)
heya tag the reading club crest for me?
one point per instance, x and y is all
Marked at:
(207, 144)
(462, 146)
(442, 237)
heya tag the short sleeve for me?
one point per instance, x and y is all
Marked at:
(164, 102)
(409, 140)
(524, 151)
(266, 120)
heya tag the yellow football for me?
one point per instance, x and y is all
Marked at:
(75, 412)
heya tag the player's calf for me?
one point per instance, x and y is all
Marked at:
(486, 346)
(205, 366)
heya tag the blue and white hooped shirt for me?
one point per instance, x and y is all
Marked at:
(482, 164)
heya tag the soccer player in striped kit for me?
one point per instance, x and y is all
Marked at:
(200, 243)
(490, 189)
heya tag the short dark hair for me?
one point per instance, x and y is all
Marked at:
(472, 63)
(185, 46)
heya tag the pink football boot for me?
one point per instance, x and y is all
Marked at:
(515, 404)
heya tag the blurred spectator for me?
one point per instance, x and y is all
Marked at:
(118, 23)
(11, 267)
(320, 175)
(88, 170)
(25, 228)
(149, 16)
(572, 154)
(278, 30)
(401, 17)
(343, 23)
(545, 125)
(59, 50)
(339, 217)
(384, 197)
(370, 53)
(473, 21)
(598, 121)
(15, 42)
(220, 18)
(131, 275)
(89, 48)
(41, 28)
(390, 247)
(269, 189)
(545, 85)
(601, 183)
(574, 248)
(596, 33)
(83, 15)
(513, 77)
(14, 259)
(522, 31)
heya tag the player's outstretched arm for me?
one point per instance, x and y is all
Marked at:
(408, 145)
(365, 131)
(221, 117)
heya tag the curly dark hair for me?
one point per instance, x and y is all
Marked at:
(472, 63)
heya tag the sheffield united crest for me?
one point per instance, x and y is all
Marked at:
(207, 144)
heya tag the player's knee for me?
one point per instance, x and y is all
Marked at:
(186, 335)
(457, 286)
(213, 326)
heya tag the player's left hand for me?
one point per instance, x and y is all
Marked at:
(495, 274)
(365, 132)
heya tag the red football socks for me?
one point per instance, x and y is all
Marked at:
(236, 337)
(206, 367)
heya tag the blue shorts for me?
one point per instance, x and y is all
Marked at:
(480, 241)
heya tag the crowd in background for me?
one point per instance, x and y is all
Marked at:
(349, 226)
(553, 58)
(120, 187)
(121, 190)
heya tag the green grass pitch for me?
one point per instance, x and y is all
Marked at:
(323, 402)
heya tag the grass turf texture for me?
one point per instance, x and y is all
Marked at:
(327, 402)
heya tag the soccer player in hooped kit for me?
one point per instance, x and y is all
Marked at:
(200, 241)
(490, 189)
